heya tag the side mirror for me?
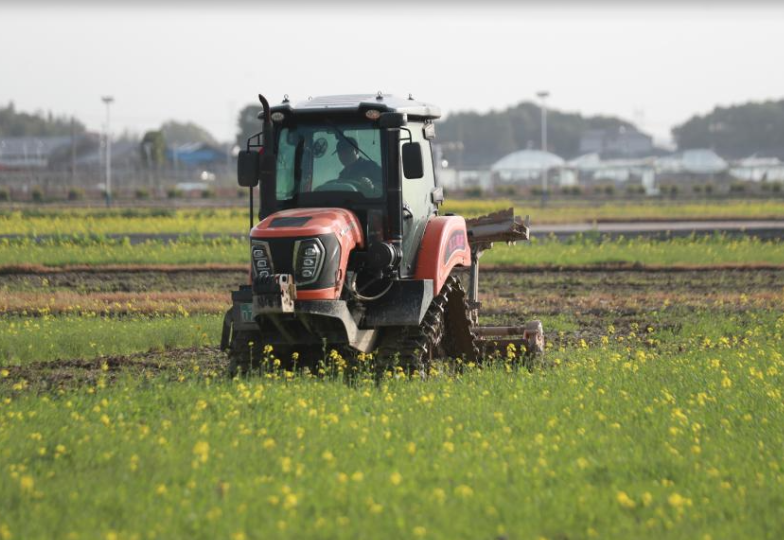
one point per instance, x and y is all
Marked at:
(393, 120)
(248, 168)
(412, 161)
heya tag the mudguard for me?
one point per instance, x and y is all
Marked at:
(444, 246)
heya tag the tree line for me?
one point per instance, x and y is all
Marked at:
(737, 131)
(733, 132)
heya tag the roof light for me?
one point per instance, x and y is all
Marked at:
(278, 116)
(373, 114)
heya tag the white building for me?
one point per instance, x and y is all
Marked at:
(526, 166)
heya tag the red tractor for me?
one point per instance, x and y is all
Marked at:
(350, 251)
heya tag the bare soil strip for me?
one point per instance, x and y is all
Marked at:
(73, 373)
(60, 302)
(37, 269)
(15, 269)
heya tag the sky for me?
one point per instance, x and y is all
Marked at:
(653, 64)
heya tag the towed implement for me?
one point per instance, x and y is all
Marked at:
(350, 250)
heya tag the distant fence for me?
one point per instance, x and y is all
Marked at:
(123, 179)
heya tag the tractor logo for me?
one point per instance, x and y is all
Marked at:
(456, 242)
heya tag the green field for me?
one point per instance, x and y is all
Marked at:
(234, 220)
(27, 339)
(656, 411)
(578, 250)
(644, 433)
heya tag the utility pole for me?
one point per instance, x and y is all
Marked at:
(543, 95)
(73, 152)
(108, 101)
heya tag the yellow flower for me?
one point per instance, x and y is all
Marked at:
(726, 382)
(202, 451)
(376, 508)
(395, 478)
(358, 476)
(161, 489)
(676, 500)
(624, 500)
(449, 446)
(327, 456)
(464, 491)
(420, 531)
(27, 483)
(290, 501)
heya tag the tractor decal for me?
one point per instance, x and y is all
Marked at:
(456, 242)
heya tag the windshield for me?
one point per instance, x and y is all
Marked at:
(322, 158)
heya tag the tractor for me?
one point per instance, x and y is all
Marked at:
(350, 250)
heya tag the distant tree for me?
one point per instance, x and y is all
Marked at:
(19, 124)
(186, 132)
(153, 149)
(248, 123)
(488, 137)
(736, 131)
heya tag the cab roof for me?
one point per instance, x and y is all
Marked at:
(356, 102)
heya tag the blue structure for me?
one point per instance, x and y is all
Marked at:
(196, 155)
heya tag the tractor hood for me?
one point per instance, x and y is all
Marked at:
(306, 222)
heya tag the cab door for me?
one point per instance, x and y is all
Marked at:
(417, 200)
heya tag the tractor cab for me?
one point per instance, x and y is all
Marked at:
(368, 154)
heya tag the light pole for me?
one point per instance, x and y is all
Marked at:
(108, 101)
(543, 95)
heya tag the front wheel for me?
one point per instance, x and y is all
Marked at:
(245, 353)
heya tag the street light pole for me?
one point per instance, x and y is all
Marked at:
(543, 95)
(108, 101)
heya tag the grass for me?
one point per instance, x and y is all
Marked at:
(592, 250)
(640, 434)
(49, 338)
(90, 335)
(579, 250)
(234, 220)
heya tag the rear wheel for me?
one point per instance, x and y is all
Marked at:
(445, 330)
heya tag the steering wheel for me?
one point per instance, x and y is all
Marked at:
(338, 184)
(364, 185)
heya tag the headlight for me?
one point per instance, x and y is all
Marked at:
(308, 260)
(260, 255)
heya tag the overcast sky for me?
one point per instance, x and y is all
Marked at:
(652, 65)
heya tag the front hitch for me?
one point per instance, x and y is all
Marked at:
(274, 294)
